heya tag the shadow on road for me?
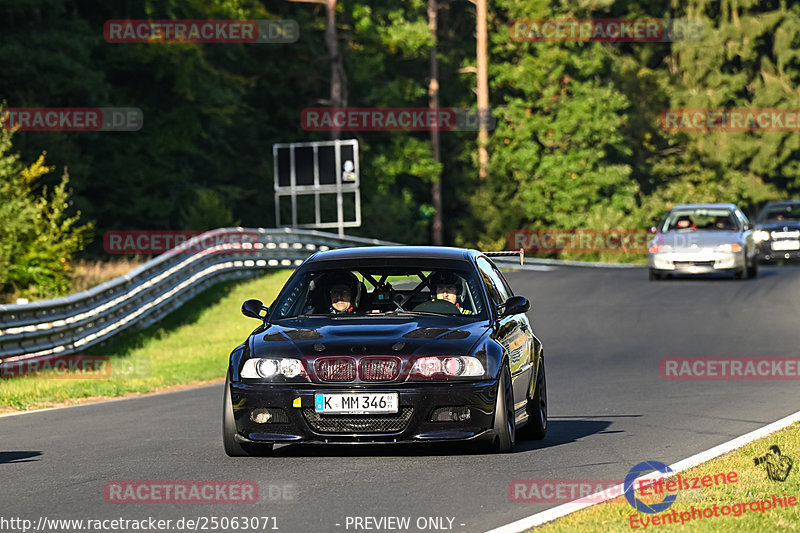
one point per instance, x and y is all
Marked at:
(375, 450)
(18, 457)
(559, 431)
(569, 429)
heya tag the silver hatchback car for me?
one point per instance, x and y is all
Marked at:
(702, 239)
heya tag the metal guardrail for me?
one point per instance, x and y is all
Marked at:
(71, 324)
(68, 325)
(546, 264)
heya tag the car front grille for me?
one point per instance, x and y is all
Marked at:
(370, 369)
(380, 369)
(681, 264)
(388, 423)
(333, 369)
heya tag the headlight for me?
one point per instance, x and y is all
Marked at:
(656, 248)
(727, 248)
(266, 368)
(291, 367)
(269, 367)
(447, 367)
(760, 235)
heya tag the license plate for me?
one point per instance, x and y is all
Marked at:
(786, 245)
(353, 403)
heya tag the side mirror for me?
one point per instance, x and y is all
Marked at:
(514, 306)
(253, 308)
(652, 229)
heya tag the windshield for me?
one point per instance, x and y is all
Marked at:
(700, 219)
(383, 291)
(779, 213)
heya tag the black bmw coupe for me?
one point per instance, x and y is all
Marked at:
(387, 345)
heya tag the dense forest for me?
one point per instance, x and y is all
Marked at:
(577, 142)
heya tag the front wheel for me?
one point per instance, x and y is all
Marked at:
(652, 275)
(233, 448)
(504, 420)
(752, 270)
(537, 408)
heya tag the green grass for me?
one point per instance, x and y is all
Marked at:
(189, 346)
(605, 257)
(753, 484)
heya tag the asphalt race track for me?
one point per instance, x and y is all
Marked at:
(604, 332)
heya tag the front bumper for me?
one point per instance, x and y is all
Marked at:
(700, 262)
(765, 254)
(416, 403)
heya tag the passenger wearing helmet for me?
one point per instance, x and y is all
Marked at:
(447, 286)
(722, 222)
(685, 222)
(343, 287)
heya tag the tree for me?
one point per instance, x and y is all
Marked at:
(558, 155)
(747, 59)
(37, 236)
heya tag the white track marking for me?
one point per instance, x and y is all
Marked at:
(568, 508)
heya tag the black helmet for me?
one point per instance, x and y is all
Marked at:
(343, 277)
(445, 278)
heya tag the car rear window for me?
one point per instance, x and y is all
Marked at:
(700, 219)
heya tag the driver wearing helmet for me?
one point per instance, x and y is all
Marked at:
(343, 287)
(447, 286)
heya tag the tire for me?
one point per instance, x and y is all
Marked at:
(504, 420)
(536, 428)
(233, 448)
(740, 273)
(752, 270)
(652, 275)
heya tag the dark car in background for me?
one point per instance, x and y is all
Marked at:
(387, 345)
(777, 232)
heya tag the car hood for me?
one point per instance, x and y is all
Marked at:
(697, 239)
(368, 336)
(786, 225)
